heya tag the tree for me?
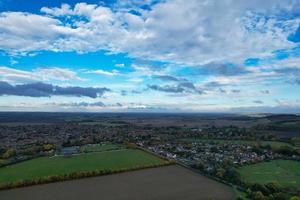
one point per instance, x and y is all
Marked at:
(295, 198)
(232, 175)
(272, 187)
(200, 165)
(220, 172)
(48, 147)
(262, 188)
(258, 195)
(280, 196)
(9, 153)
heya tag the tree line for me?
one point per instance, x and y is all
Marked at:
(76, 175)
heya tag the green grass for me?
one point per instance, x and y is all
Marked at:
(59, 165)
(100, 147)
(273, 144)
(284, 172)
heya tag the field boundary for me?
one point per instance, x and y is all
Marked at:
(76, 175)
(195, 170)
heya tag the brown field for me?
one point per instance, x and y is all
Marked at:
(171, 182)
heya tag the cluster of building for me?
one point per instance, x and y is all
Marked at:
(210, 154)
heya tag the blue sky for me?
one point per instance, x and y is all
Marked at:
(150, 56)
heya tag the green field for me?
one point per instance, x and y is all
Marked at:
(100, 147)
(273, 144)
(284, 172)
(60, 165)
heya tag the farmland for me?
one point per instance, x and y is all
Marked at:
(171, 182)
(284, 172)
(60, 165)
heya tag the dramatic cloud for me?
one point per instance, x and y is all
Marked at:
(232, 53)
(253, 29)
(48, 90)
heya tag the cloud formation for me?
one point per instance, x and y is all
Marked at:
(166, 78)
(12, 75)
(222, 69)
(196, 38)
(105, 73)
(182, 87)
(48, 90)
(227, 52)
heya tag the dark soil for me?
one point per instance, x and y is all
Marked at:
(171, 182)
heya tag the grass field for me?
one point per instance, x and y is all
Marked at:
(60, 165)
(285, 172)
(100, 147)
(273, 144)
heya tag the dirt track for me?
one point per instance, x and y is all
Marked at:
(171, 182)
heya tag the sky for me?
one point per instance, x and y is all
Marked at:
(236, 56)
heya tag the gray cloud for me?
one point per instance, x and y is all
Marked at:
(182, 87)
(124, 93)
(258, 102)
(294, 81)
(213, 84)
(221, 69)
(86, 104)
(46, 90)
(265, 91)
(81, 104)
(289, 70)
(235, 91)
(166, 78)
(222, 90)
(167, 88)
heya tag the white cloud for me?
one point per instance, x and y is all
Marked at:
(121, 65)
(65, 9)
(55, 73)
(189, 32)
(22, 32)
(105, 73)
(41, 74)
